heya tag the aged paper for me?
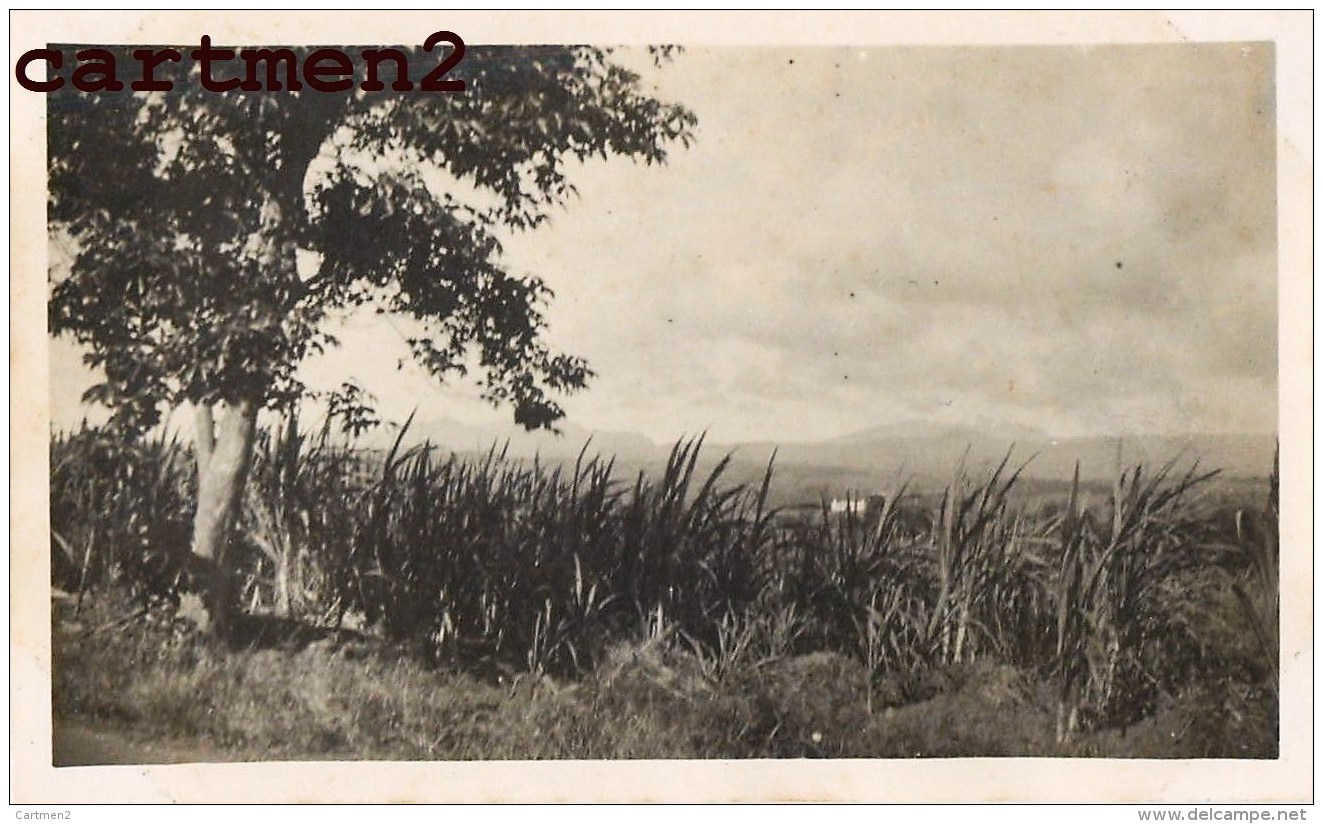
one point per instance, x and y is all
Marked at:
(1286, 779)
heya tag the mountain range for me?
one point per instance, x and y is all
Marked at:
(921, 451)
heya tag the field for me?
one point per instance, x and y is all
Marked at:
(411, 604)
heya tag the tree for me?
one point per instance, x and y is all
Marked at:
(188, 208)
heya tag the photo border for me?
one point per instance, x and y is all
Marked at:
(1288, 778)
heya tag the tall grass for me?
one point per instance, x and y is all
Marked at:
(1258, 590)
(862, 581)
(299, 516)
(502, 566)
(121, 511)
(541, 567)
(1110, 609)
(970, 538)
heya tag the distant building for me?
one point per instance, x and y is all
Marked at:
(858, 505)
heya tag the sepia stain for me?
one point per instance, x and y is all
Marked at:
(1002, 795)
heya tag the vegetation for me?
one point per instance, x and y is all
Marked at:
(418, 605)
(187, 213)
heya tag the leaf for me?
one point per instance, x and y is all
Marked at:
(185, 211)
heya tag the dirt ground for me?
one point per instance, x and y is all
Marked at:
(75, 744)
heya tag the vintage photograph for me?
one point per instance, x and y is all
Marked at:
(442, 400)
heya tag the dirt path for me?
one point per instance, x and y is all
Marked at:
(79, 744)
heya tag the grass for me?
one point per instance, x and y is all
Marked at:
(415, 605)
(649, 698)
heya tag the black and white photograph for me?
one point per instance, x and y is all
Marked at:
(911, 392)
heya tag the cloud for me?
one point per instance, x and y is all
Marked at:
(1078, 239)
(1082, 236)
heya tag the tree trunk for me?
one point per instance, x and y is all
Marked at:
(206, 434)
(222, 472)
(225, 447)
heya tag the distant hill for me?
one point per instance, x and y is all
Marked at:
(935, 455)
(921, 453)
(927, 430)
(462, 437)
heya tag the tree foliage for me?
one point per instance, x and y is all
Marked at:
(189, 209)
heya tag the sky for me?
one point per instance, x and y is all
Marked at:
(1078, 240)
